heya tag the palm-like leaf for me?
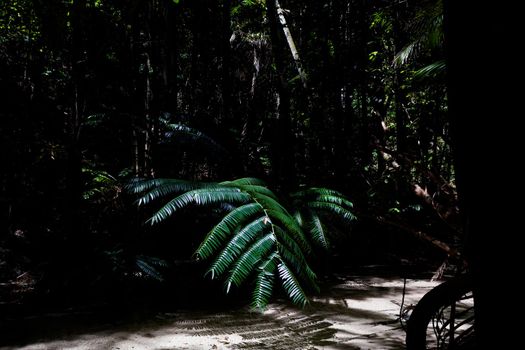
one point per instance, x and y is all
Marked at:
(314, 203)
(426, 35)
(258, 236)
(238, 244)
(295, 258)
(249, 260)
(205, 196)
(245, 181)
(225, 228)
(140, 185)
(264, 282)
(318, 231)
(332, 208)
(152, 189)
(146, 265)
(291, 285)
(433, 69)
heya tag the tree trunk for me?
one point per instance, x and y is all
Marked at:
(149, 118)
(483, 100)
(290, 41)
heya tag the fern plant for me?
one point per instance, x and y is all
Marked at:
(258, 236)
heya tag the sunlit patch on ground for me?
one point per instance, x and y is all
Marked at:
(360, 313)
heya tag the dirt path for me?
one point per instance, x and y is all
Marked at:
(360, 313)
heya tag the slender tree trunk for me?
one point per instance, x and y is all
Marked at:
(149, 122)
(290, 41)
(136, 151)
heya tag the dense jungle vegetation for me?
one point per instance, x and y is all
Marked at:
(150, 147)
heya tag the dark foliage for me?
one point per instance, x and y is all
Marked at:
(347, 95)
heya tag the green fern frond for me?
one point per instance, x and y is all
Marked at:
(247, 262)
(258, 236)
(256, 190)
(291, 285)
(290, 243)
(427, 33)
(140, 185)
(148, 269)
(298, 217)
(237, 245)
(436, 68)
(244, 182)
(297, 260)
(288, 224)
(281, 216)
(99, 184)
(317, 231)
(332, 208)
(341, 201)
(322, 195)
(264, 282)
(225, 228)
(165, 187)
(269, 203)
(153, 260)
(205, 196)
(316, 191)
(406, 53)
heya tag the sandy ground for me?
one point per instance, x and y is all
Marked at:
(360, 313)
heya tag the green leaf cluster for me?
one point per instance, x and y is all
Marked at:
(258, 237)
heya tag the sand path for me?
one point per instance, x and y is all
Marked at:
(359, 313)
